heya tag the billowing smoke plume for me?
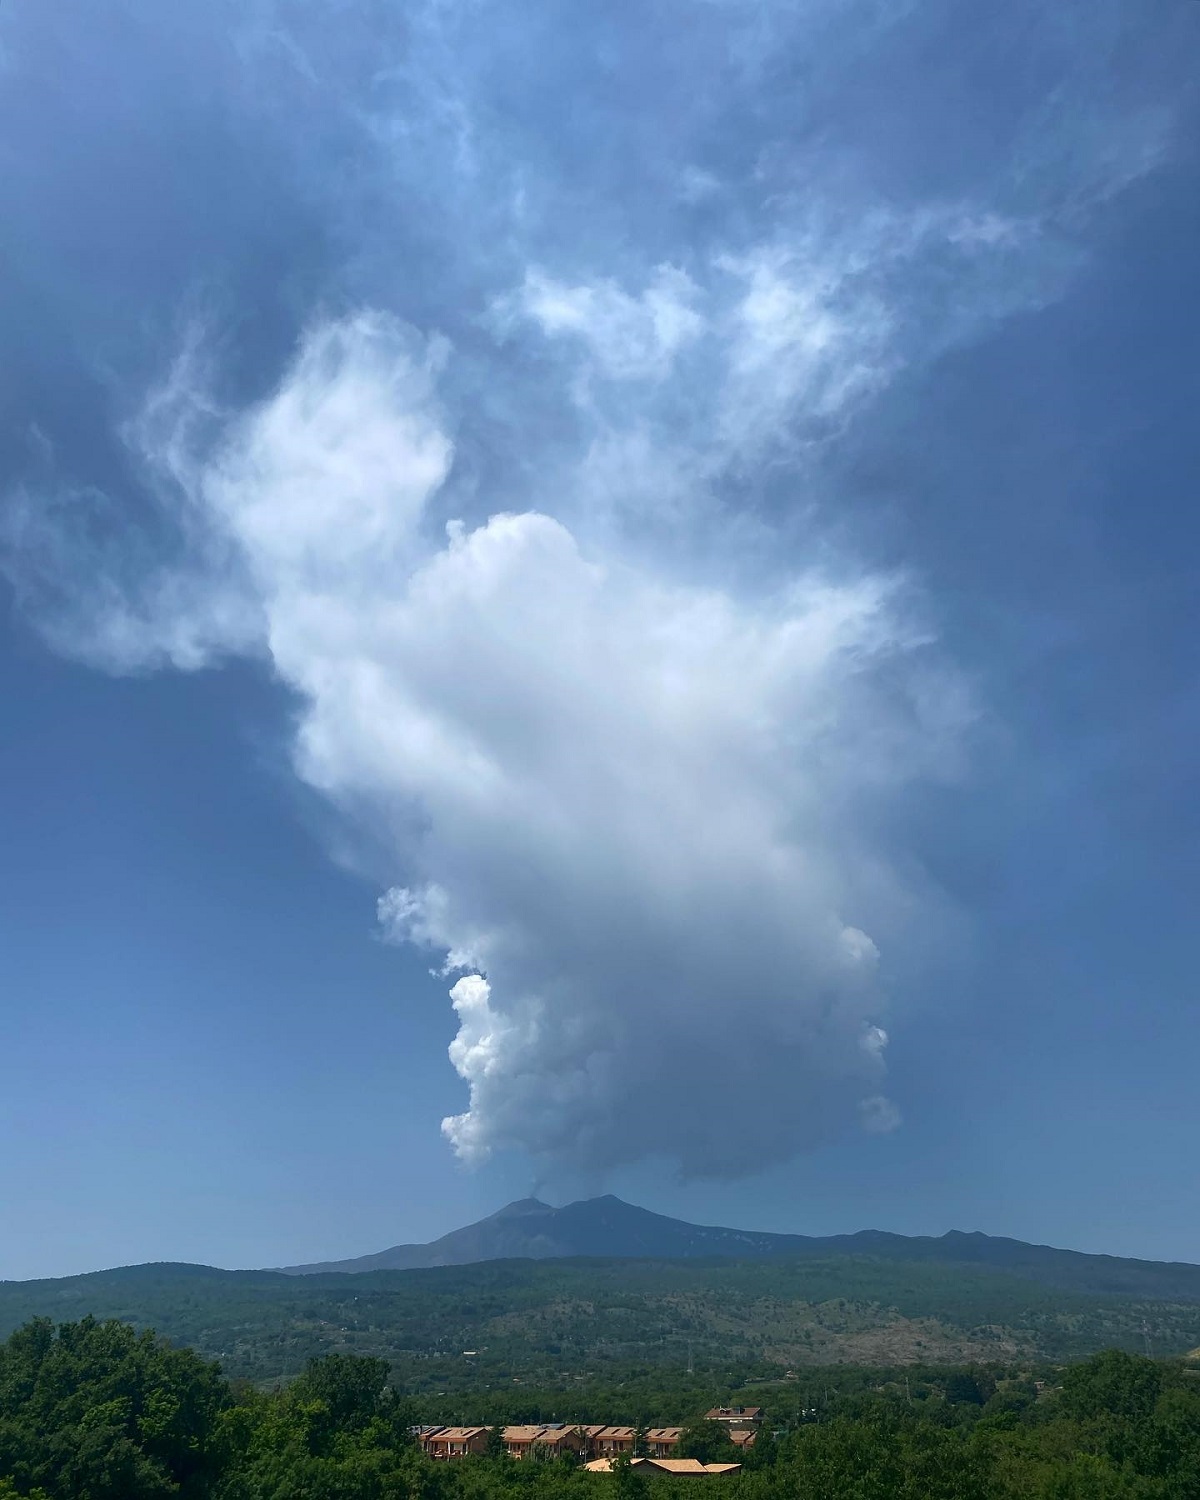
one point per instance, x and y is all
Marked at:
(622, 737)
(624, 808)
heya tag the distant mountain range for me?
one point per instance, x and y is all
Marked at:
(608, 1228)
(603, 1290)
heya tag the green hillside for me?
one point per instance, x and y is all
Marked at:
(563, 1321)
(95, 1411)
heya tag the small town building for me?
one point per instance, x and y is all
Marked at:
(610, 1441)
(587, 1440)
(519, 1441)
(455, 1442)
(558, 1438)
(687, 1466)
(680, 1466)
(735, 1416)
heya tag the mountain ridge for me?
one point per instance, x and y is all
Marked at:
(664, 1291)
(609, 1228)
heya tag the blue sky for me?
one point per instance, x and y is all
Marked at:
(674, 522)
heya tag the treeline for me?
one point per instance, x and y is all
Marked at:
(97, 1411)
(551, 1322)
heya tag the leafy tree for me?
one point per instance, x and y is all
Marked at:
(288, 1446)
(351, 1388)
(495, 1442)
(709, 1442)
(628, 1484)
(763, 1452)
(1112, 1383)
(9, 1491)
(96, 1411)
(963, 1388)
(1005, 1409)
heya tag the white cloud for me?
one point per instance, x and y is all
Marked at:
(355, 420)
(805, 340)
(630, 808)
(628, 337)
(778, 346)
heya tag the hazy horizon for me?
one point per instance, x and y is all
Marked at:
(320, 1259)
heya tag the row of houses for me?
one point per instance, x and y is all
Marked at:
(586, 1441)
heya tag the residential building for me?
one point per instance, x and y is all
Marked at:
(552, 1438)
(610, 1441)
(519, 1441)
(679, 1466)
(455, 1442)
(735, 1416)
(559, 1437)
(687, 1466)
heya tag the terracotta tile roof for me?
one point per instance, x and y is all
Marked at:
(458, 1434)
(664, 1466)
(522, 1434)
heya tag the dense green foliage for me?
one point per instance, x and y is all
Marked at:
(555, 1323)
(97, 1411)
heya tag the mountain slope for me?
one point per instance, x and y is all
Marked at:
(609, 1228)
(601, 1227)
(559, 1322)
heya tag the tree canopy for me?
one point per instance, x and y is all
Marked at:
(97, 1411)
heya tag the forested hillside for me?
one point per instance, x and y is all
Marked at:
(559, 1322)
(94, 1411)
